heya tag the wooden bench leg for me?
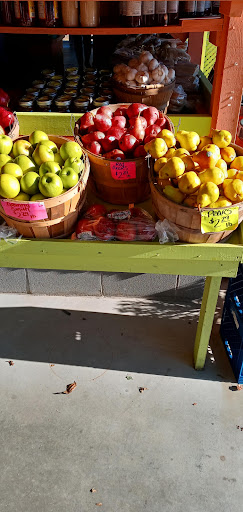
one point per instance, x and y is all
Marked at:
(209, 301)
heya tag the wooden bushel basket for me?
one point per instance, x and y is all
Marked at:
(62, 211)
(115, 191)
(14, 132)
(187, 221)
(152, 95)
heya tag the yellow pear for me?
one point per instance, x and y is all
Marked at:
(232, 173)
(189, 183)
(181, 152)
(168, 137)
(214, 175)
(172, 169)
(222, 202)
(191, 201)
(226, 182)
(222, 138)
(188, 140)
(207, 157)
(237, 163)
(170, 153)
(221, 164)
(234, 191)
(173, 193)
(156, 148)
(203, 142)
(208, 193)
(189, 164)
(228, 154)
(159, 163)
(239, 175)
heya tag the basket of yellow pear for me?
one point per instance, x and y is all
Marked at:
(190, 175)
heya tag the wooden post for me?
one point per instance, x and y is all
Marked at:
(195, 45)
(227, 86)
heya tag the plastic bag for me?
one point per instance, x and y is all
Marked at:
(132, 224)
(166, 232)
(7, 233)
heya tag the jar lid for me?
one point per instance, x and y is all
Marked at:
(101, 101)
(39, 84)
(105, 72)
(26, 101)
(81, 101)
(91, 70)
(54, 83)
(48, 73)
(106, 85)
(90, 76)
(74, 78)
(70, 92)
(33, 91)
(49, 92)
(89, 83)
(105, 78)
(71, 71)
(72, 84)
(44, 101)
(58, 78)
(63, 101)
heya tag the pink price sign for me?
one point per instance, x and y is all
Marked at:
(25, 211)
(123, 170)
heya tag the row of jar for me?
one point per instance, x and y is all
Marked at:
(62, 104)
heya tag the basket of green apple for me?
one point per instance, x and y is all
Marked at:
(43, 184)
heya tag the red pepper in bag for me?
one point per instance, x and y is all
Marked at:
(4, 98)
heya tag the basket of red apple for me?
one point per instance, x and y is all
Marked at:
(9, 124)
(42, 184)
(124, 225)
(113, 137)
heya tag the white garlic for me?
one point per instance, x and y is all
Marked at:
(153, 64)
(171, 74)
(142, 77)
(145, 57)
(130, 75)
(117, 68)
(133, 63)
(142, 67)
(158, 74)
(131, 83)
(167, 80)
(165, 69)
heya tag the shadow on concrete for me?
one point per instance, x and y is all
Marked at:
(153, 338)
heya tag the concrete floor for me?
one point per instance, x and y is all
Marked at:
(173, 448)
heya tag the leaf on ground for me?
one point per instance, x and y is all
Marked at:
(239, 428)
(141, 390)
(93, 490)
(239, 387)
(70, 387)
(235, 388)
(51, 365)
(129, 377)
(99, 504)
(194, 403)
(11, 363)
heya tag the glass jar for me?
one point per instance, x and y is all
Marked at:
(89, 14)
(26, 104)
(58, 78)
(89, 83)
(132, 14)
(161, 13)
(81, 104)
(51, 93)
(48, 13)
(100, 102)
(91, 71)
(48, 73)
(71, 71)
(148, 13)
(208, 8)
(106, 72)
(44, 104)
(70, 15)
(33, 91)
(73, 78)
(200, 8)
(173, 12)
(54, 84)
(63, 103)
(38, 84)
(25, 14)
(72, 84)
(70, 92)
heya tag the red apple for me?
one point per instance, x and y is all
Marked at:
(6, 118)
(87, 139)
(120, 111)
(90, 129)
(126, 231)
(109, 143)
(85, 226)
(139, 151)
(152, 130)
(128, 142)
(96, 211)
(119, 121)
(102, 122)
(137, 129)
(161, 122)
(151, 115)
(104, 228)
(143, 121)
(105, 110)
(134, 109)
(115, 154)
(149, 138)
(146, 230)
(116, 132)
(86, 121)
(94, 147)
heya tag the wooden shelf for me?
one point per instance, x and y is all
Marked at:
(197, 25)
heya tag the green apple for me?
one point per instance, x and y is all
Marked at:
(6, 144)
(42, 154)
(9, 186)
(69, 177)
(58, 159)
(70, 149)
(29, 183)
(49, 144)
(22, 197)
(50, 185)
(37, 197)
(64, 190)
(13, 169)
(4, 159)
(49, 167)
(76, 163)
(22, 147)
(37, 136)
(26, 163)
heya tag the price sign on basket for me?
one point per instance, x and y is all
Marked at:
(25, 211)
(220, 219)
(123, 170)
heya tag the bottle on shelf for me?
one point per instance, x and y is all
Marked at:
(148, 13)
(188, 9)
(48, 13)
(133, 14)
(161, 13)
(70, 14)
(173, 12)
(208, 8)
(7, 13)
(200, 9)
(215, 8)
(89, 14)
(122, 10)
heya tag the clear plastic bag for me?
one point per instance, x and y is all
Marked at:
(7, 233)
(166, 232)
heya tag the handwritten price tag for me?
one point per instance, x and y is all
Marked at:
(123, 170)
(224, 219)
(25, 211)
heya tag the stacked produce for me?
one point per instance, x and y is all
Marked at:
(197, 171)
(121, 134)
(142, 71)
(123, 225)
(35, 170)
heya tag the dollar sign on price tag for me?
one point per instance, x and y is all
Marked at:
(123, 170)
(220, 219)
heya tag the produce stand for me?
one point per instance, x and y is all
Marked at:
(214, 261)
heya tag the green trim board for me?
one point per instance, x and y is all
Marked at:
(213, 260)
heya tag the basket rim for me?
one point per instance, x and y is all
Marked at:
(142, 88)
